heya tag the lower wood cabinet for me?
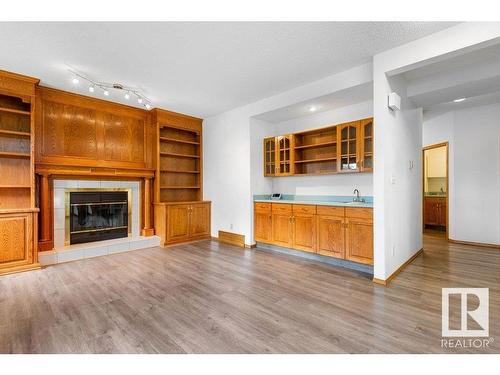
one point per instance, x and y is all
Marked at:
(18, 240)
(435, 211)
(340, 232)
(181, 222)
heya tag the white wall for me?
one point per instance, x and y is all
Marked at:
(398, 140)
(229, 178)
(474, 169)
(340, 184)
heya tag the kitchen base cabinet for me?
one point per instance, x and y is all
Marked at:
(304, 228)
(281, 226)
(435, 211)
(340, 232)
(182, 222)
(331, 236)
(262, 222)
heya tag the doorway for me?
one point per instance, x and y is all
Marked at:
(435, 190)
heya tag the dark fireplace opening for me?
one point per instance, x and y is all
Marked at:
(97, 216)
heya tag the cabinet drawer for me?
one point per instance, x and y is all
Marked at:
(331, 211)
(261, 206)
(282, 207)
(359, 213)
(304, 209)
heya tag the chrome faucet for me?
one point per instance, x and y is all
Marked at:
(356, 196)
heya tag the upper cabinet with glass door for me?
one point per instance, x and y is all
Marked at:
(349, 152)
(342, 148)
(284, 158)
(270, 156)
(366, 145)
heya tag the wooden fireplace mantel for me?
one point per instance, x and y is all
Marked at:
(48, 173)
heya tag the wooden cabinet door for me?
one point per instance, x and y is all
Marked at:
(366, 145)
(262, 226)
(431, 211)
(442, 212)
(304, 232)
(199, 220)
(282, 229)
(359, 240)
(16, 240)
(284, 155)
(331, 236)
(269, 156)
(178, 222)
(349, 151)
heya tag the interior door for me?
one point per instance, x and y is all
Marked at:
(178, 222)
(331, 236)
(199, 220)
(359, 240)
(349, 152)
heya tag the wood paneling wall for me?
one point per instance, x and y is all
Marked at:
(75, 130)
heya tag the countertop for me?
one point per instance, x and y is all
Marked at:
(319, 202)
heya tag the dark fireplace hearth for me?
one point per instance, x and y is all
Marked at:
(98, 215)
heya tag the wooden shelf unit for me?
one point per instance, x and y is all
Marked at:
(179, 166)
(341, 148)
(18, 214)
(316, 151)
(179, 212)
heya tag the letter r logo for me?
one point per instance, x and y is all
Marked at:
(480, 315)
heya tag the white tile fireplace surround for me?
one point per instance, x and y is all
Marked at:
(62, 253)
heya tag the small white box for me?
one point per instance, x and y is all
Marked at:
(394, 101)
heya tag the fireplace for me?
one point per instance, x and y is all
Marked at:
(96, 215)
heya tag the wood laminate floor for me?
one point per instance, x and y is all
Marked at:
(209, 297)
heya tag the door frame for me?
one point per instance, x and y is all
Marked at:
(430, 147)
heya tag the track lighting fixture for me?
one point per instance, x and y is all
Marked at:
(106, 88)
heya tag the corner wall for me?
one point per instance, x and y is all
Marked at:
(473, 136)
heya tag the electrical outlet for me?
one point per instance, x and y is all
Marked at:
(231, 226)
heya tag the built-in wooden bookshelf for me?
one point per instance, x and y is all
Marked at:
(341, 148)
(16, 157)
(18, 214)
(179, 162)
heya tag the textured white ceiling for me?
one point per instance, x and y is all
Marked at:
(199, 68)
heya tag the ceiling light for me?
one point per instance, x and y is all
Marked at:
(312, 109)
(107, 88)
(459, 100)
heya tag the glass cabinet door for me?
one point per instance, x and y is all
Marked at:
(366, 127)
(284, 154)
(269, 156)
(348, 147)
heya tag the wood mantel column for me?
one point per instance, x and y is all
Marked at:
(45, 241)
(147, 230)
